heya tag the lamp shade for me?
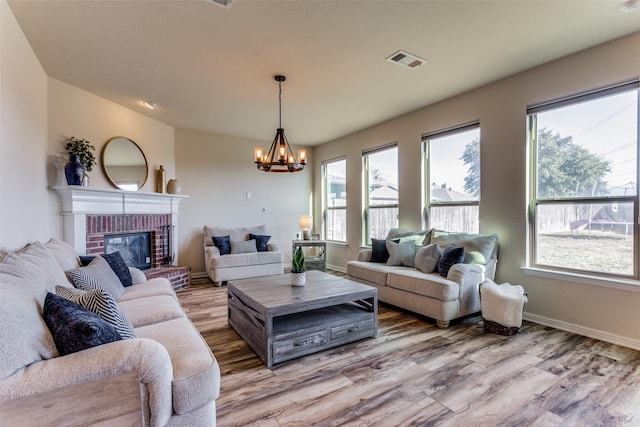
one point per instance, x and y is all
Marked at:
(305, 221)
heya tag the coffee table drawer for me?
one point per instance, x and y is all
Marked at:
(295, 346)
(353, 330)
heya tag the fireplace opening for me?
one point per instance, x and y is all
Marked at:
(135, 248)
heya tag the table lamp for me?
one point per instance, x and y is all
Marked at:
(305, 222)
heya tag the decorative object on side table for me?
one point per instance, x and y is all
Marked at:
(81, 161)
(305, 222)
(298, 274)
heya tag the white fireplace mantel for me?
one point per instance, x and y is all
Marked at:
(77, 202)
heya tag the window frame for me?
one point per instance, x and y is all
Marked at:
(534, 201)
(366, 202)
(426, 172)
(325, 194)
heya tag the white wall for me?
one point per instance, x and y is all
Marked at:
(501, 108)
(217, 172)
(24, 205)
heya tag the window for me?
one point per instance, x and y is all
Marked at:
(334, 175)
(380, 168)
(584, 180)
(452, 178)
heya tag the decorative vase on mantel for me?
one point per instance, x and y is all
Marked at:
(74, 171)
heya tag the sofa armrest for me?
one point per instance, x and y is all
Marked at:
(211, 251)
(74, 376)
(468, 276)
(273, 247)
(365, 255)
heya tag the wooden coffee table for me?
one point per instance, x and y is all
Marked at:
(280, 322)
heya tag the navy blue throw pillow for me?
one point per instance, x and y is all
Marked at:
(261, 241)
(75, 328)
(117, 264)
(86, 259)
(450, 256)
(223, 243)
(379, 252)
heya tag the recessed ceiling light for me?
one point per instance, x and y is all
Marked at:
(150, 104)
(406, 59)
(630, 5)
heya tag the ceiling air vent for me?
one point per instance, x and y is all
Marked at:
(223, 3)
(406, 59)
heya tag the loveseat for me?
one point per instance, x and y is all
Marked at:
(414, 274)
(72, 356)
(240, 253)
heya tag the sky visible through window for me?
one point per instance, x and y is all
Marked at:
(446, 165)
(606, 127)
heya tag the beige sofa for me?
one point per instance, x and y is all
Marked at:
(166, 375)
(246, 260)
(431, 294)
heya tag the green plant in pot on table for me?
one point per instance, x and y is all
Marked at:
(298, 275)
(81, 160)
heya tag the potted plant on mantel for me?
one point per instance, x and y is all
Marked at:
(298, 275)
(81, 160)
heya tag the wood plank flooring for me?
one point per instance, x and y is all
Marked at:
(415, 374)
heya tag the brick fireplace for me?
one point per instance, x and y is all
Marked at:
(90, 213)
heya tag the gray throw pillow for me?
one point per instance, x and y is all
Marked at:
(427, 258)
(101, 303)
(243, 246)
(401, 253)
(97, 275)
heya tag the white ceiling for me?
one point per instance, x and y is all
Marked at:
(211, 68)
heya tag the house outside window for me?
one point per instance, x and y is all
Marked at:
(334, 174)
(452, 178)
(584, 182)
(380, 167)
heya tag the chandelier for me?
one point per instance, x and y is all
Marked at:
(280, 157)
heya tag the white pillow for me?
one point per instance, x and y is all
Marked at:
(137, 276)
(64, 253)
(44, 265)
(427, 258)
(243, 246)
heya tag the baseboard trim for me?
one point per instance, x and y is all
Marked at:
(581, 330)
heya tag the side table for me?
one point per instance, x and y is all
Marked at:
(315, 259)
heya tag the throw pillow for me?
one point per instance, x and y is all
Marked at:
(119, 267)
(64, 253)
(223, 244)
(42, 262)
(427, 258)
(75, 328)
(483, 243)
(379, 252)
(97, 275)
(101, 303)
(86, 259)
(261, 241)
(450, 256)
(403, 253)
(243, 246)
(137, 276)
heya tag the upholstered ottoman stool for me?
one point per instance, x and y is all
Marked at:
(502, 307)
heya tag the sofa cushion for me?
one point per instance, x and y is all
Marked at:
(371, 271)
(156, 286)
(261, 241)
(24, 335)
(234, 233)
(401, 253)
(430, 285)
(451, 255)
(243, 246)
(427, 258)
(115, 260)
(150, 310)
(97, 275)
(245, 260)
(223, 243)
(486, 244)
(64, 253)
(75, 328)
(196, 375)
(420, 237)
(101, 303)
(42, 262)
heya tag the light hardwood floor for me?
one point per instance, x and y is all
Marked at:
(413, 373)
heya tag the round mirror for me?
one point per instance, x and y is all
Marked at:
(124, 163)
